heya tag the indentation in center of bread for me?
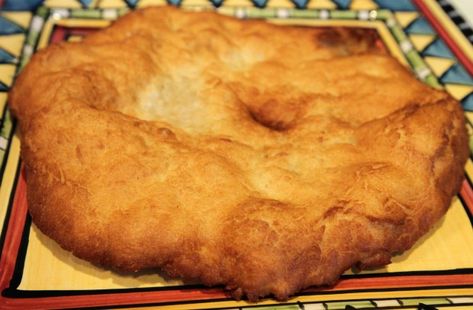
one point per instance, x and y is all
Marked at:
(185, 101)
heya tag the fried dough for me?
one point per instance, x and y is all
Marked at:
(260, 157)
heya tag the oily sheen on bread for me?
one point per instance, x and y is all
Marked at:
(263, 158)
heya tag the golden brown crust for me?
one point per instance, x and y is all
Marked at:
(261, 157)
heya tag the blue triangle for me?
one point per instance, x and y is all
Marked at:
(175, 2)
(9, 27)
(217, 3)
(467, 102)
(420, 26)
(438, 49)
(131, 3)
(3, 86)
(456, 75)
(342, 4)
(300, 4)
(85, 3)
(396, 5)
(6, 57)
(260, 3)
(21, 5)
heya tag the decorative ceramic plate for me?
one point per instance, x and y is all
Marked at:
(437, 272)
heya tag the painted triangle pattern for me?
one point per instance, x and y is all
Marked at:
(458, 91)
(8, 27)
(21, 19)
(175, 2)
(21, 5)
(6, 57)
(421, 41)
(217, 3)
(260, 3)
(7, 73)
(132, 3)
(85, 3)
(439, 65)
(439, 49)
(301, 4)
(363, 5)
(12, 44)
(420, 26)
(406, 18)
(393, 5)
(467, 102)
(3, 103)
(456, 75)
(342, 4)
(396, 5)
(3, 86)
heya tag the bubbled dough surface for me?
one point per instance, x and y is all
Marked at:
(260, 157)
